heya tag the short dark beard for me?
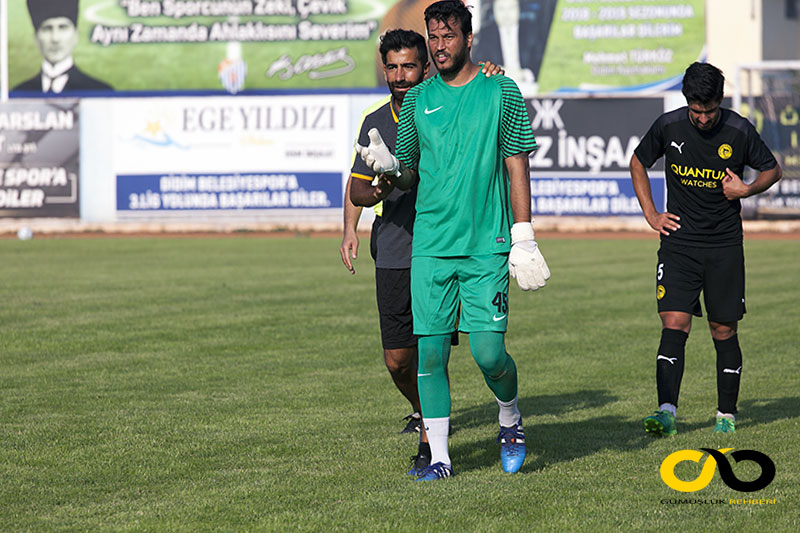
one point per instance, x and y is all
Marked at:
(459, 61)
(399, 99)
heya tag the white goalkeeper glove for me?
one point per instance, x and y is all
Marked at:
(525, 262)
(377, 156)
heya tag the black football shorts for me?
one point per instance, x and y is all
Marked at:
(393, 288)
(683, 272)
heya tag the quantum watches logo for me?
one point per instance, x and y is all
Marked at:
(713, 459)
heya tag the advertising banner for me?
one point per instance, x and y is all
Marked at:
(177, 192)
(256, 46)
(596, 196)
(173, 154)
(599, 46)
(39, 158)
(223, 46)
(777, 119)
(581, 166)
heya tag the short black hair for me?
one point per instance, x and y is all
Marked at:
(703, 83)
(445, 10)
(396, 40)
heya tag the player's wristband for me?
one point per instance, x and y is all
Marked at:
(403, 180)
(395, 170)
(521, 231)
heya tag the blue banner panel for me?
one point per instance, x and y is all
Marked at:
(591, 196)
(228, 192)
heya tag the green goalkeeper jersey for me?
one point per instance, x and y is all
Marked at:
(457, 138)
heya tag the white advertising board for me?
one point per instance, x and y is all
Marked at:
(223, 154)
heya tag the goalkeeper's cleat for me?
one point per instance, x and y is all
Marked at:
(660, 423)
(512, 447)
(421, 461)
(435, 472)
(414, 423)
(724, 425)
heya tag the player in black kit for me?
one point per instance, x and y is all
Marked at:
(706, 149)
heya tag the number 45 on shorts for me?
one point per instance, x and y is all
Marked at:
(500, 301)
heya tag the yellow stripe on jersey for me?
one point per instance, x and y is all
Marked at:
(362, 177)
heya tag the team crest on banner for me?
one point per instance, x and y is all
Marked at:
(232, 73)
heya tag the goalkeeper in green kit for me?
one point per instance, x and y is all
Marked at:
(465, 140)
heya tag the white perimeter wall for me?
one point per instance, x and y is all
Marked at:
(733, 35)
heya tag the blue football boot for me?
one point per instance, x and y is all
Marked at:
(435, 472)
(512, 447)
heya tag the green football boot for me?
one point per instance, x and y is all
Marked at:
(724, 425)
(660, 423)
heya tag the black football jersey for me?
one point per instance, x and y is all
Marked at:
(694, 165)
(398, 211)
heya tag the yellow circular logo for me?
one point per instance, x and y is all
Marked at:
(725, 151)
(660, 292)
(667, 470)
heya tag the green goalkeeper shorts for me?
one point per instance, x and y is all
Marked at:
(478, 283)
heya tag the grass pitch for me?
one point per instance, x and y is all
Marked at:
(237, 384)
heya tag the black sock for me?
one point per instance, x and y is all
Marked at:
(729, 373)
(669, 365)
